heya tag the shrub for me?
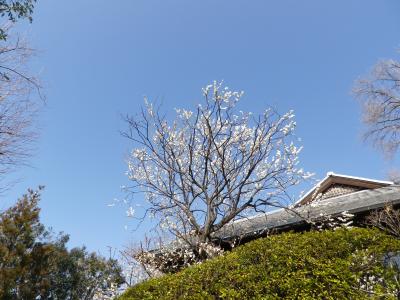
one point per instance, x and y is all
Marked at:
(341, 264)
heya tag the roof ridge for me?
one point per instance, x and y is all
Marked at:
(332, 176)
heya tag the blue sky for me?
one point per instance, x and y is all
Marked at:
(99, 58)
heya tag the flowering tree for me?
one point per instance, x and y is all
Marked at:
(213, 165)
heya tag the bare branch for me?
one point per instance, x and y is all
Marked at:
(18, 108)
(379, 95)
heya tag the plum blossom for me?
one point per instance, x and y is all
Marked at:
(212, 164)
(130, 212)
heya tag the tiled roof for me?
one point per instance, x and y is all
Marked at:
(361, 201)
(338, 184)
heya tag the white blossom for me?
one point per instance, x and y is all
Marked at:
(212, 164)
(130, 212)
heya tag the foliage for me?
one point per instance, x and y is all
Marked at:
(171, 258)
(340, 264)
(82, 275)
(212, 165)
(35, 265)
(379, 94)
(13, 10)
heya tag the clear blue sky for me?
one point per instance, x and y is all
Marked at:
(99, 58)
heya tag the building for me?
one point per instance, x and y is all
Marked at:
(329, 199)
(332, 196)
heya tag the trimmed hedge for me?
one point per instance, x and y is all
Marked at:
(310, 265)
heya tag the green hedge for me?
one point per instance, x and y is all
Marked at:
(311, 265)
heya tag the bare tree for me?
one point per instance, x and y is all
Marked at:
(211, 166)
(386, 219)
(394, 175)
(379, 95)
(18, 102)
